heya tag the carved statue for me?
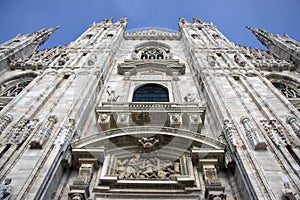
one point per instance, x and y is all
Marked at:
(103, 117)
(189, 98)
(5, 190)
(111, 95)
(211, 60)
(175, 117)
(239, 61)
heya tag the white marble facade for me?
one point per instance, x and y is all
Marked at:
(150, 113)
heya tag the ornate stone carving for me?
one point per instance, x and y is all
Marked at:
(104, 121)
(190, 98)
(211, 59)
(239, 61)
(148, 142)
(275, 132)
(43, 133)
(138, 167)
(4, 121)
(265, 60)
(229, 132)
(288, 192)
(42, 59)
(21, 131)
(152, 34)
(5, 189)
(253, 135)
(92, 59)
(66, 133)
(294, 123)
(175, 120)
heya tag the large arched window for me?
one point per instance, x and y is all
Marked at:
(285, 89)
(12, 87)
(288, 86)
(151, 93)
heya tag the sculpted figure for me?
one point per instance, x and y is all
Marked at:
(5, 190)
(111, 95)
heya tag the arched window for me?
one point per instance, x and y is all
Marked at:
(285, 89)
(12, 87)
(151, 93)
(152, 53)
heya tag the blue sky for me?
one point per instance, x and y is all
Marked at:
(75, 16)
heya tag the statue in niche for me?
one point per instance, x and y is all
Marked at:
(239, 61)
(190, 98)
(148, 142)
(112, 97)
(5, 189)
(211, 60)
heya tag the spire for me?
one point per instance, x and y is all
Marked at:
(263, 36)
(42, 36)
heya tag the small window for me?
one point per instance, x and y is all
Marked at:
(151, 93)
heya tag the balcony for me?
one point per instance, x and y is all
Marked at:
(189, 116)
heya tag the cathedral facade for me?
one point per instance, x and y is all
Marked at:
(150, 114)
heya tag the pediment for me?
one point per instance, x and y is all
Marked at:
(178, 135)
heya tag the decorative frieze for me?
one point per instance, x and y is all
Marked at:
(253, 135)
(138, 167)
(43, 133)
(152, 34)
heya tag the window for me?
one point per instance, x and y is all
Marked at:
(11, 88)
(152, 53)
(288, 91)
(151, 93)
